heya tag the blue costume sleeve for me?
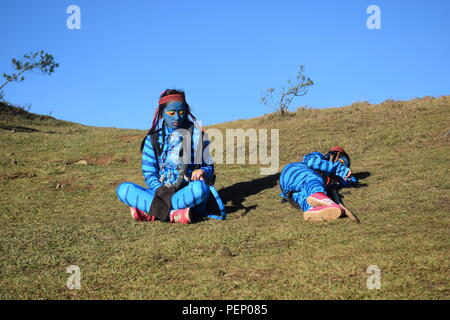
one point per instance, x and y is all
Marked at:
(207, 162)
(348, 183)
(316, 161)
(150, 168)
(207, 168)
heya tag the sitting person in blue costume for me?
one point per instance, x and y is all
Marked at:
(173, 165)
(304, 184)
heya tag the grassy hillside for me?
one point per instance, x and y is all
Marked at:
(57, 212)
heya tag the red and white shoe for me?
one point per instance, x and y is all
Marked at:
(323, 213)
(181, 216)
(140, 215)
(319, 199)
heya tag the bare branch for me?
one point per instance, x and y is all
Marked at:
(298, 88)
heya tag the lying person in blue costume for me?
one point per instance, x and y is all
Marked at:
(304, 184)
(173, 164)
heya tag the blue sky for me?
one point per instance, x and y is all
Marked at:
(223, 53)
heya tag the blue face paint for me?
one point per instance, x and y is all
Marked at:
(175, 114)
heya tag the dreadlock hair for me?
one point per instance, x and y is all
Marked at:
(160, 110)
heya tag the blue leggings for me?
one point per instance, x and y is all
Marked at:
(302, 182)
(313, 186)
(194, 195)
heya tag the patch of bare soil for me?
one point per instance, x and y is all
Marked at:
(91, 160)
(17, 175)
(129, 138)
(101, 161)
(116, 182)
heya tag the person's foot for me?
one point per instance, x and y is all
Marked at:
(323, 213)
(140, 215)
(180, 216)
(319, 199)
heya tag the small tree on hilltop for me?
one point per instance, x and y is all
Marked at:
(39, 62)
(298, 87)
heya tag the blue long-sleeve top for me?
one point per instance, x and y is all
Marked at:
(158, 171)
(317, 161)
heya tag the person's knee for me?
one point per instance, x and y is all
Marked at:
(200, 189)
(122, 189)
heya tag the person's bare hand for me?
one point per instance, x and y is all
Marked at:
(198, 174)
(348, 174)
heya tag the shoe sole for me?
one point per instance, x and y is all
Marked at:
(313, 202)
(134, 215)
(327, 214)
(189, 217)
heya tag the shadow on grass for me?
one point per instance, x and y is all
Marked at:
(22, 129)
(18, 128)
(358, 175)
(361, 175)
(238, 192)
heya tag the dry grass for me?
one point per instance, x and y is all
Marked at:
(56, 213)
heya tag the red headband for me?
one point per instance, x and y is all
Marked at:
(172, 97)
(338, 149)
